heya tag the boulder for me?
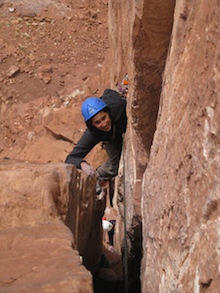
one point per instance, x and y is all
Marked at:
(50, 228)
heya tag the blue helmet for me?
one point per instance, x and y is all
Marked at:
(92, 106)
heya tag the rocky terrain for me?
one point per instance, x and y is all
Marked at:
(51, 56)
(167, 192)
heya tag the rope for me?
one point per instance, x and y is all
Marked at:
(125, 226)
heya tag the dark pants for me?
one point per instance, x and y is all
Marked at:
(109, 169)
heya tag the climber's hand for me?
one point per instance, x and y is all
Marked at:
(88, 169)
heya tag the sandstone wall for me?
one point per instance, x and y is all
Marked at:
(181, 186)
(174, 206)
(139, 34)
(179, 145)
(38, 252)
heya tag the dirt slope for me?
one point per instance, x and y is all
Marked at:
(51, 56)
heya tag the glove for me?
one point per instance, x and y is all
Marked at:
(88, 169)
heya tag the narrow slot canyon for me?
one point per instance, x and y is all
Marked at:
(155, 227)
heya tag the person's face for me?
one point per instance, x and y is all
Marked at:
(102, 121)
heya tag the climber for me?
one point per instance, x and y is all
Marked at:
(106, 121)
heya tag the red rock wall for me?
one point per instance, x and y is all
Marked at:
(139, 34)
(38, 252)
(170, 165)
(181, 194)
(177, 148)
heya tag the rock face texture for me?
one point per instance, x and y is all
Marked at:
(41, 259)
(38, 252)
(181, 192)
(170, 52)
(139, 40)
(168, 190)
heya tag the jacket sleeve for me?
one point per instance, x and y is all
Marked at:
(82, 148)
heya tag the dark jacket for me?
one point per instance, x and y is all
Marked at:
(89, 139)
